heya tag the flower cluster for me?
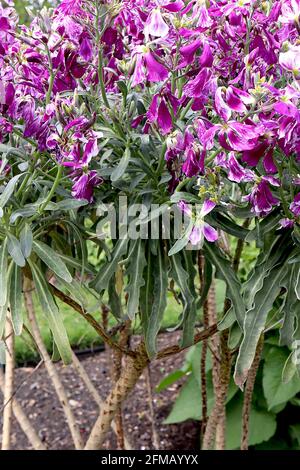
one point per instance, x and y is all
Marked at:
(217, 82)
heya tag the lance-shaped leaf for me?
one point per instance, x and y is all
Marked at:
(290, 307)
(15, 299)
(52, 314)
(114, 299)
(225, 272)
(3, 273)
(137, 263)
(14, 249)
(8, 191)
(26, 239)
(181, 277)
(159, 304)
(119, 171)
(101, 281)
(3, 313)
(255, 320)
(52, 260)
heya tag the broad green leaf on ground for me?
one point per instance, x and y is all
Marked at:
(188, 404)
(261, 428)
(275, 391)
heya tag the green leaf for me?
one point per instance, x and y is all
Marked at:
(289, 308)
(52, 314)
(101, 281)
(159, 303)
(262, 425)
(52, 260)
(3, 313)
(119, 171)
(289, 369)
(15, 299)
(26, 239)
(114, 300)
(275, 390)
(171, 379)
(3, 273)
(255, 321)
(8, 191)
(14, 249)
(181, 277)
(225, 272)
(136, 265)
(183, 241)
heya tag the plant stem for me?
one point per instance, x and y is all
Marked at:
(50, 367)
(248, 394)
(23, 421)
(8, 385)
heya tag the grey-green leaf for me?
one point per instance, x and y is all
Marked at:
(8, 191)
(119, 171)
(255, 321)
(159, 304)
(52, 314)
(52, 259)
(137, 263)
(101, 281)
(15, 299)
(26, 239)
(3, 273)
(15, 251)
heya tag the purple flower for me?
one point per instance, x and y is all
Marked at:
(147, 67)
(295, 205)
(261, 197)
(200, 229)
(84, 185)
(188, 52)
(290, 60)
(286, 223)
(155, 25)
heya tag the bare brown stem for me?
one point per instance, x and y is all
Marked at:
(155, 435)
(131, 372)
(248, 394)
(8, 386)
(23, 421)
(50, 367)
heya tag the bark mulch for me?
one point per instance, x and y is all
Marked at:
(39, 401)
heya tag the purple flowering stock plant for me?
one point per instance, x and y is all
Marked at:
(187, 107)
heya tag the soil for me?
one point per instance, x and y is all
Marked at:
(38, 399)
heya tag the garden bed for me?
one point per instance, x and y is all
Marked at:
(38, 399)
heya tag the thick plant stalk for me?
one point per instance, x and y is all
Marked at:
(117, 367)
(23, 421)
(221, 394)
(155, 436)
(8, 385)
(248, 395)
(53, 374)
(93, 391)
(86, 380)
(131, 372)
